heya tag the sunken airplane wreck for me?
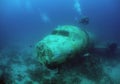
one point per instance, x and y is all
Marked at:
(63, 43)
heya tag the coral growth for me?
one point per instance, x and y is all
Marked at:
(19, 66)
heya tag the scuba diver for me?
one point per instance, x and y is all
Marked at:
(84, 20)
(112, 49)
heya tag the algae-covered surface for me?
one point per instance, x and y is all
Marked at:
(20, 66)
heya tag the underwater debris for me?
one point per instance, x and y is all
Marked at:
(61, 45)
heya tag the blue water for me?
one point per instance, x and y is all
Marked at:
(25, 22)
(26, 18)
